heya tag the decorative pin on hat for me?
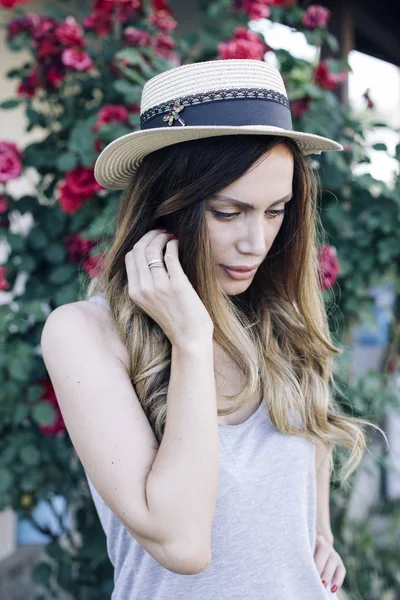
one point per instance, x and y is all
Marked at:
(174, 115)
(220, 97)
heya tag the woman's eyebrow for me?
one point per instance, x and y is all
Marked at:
(235, 202)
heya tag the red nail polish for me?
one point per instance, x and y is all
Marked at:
(334, 588)
(324, 583)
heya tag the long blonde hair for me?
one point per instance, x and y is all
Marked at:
(276, 332)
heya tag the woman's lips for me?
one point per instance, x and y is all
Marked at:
(239, 275)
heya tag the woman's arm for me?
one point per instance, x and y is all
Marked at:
(323, 478)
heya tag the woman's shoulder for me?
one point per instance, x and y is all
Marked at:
(97, 312)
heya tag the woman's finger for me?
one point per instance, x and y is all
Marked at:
(329, 570)
(147, 249)
(321, 554)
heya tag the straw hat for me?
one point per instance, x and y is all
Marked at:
(205, 99)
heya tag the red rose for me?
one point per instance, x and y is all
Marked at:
(76, 59)
(329, 266)
(246, 44)
(104, 11)
(136, 37)
(10, 162)
(316, 16)
(99, 22)
(80, 185)
(70, 33)
(93, 264)
(111, 113)
(284, 3)
(54, 75)
(163, 21)
(3, 204)
(28, 23)
(29, 85)
(12, 3)
(301, 106)
(4, 285)
(77, 248)
(50, 397)
(325, 78)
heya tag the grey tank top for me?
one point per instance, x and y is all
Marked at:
(264, 527)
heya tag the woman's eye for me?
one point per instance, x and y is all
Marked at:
(228, 216)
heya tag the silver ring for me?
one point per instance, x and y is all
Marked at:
(156, 263)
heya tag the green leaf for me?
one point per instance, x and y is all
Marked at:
(55, 253)
(135, 58)
(81, 141)
(37, 239)
(67, 162)
(62, 274)
(5, 479)
(10, 103)
(20, 363)
(112, 131)
(41, 573)
(380, 146)
(34, 392)
(16, 242)
(43, 413)
(27, 263)
(35, 309)
(29, 455)
(21, 413)
(131, 93)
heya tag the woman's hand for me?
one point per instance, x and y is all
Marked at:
(165, 293)
(329, 564)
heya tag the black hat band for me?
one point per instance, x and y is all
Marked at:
(228, 107)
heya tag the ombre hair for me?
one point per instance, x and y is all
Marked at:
(276, 332)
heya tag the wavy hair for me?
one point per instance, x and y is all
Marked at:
(276, 332)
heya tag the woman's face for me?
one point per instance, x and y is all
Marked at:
(243, 234)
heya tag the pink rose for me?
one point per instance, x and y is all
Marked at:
(111, 113)
(76, 59)
(256, 9)
(136, 37)
(10, 162)
(316, 16)
(12, 3)
(164, 45)
(70, 33)
(329, 266)
(79, 186)
(4, 285)
(246, 44)
(163, 20)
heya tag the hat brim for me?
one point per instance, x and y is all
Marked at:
(120, 159)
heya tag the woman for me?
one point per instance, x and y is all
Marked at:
(179, 376)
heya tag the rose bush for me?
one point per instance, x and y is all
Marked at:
(82, 85)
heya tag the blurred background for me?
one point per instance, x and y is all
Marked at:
(71, 79)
